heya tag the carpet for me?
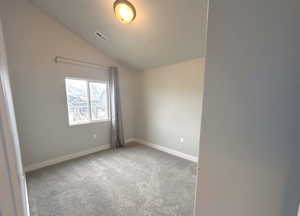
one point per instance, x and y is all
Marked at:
(131, 181)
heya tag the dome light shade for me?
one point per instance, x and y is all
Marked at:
(124, 11)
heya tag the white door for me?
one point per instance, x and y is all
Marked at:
(13, 193)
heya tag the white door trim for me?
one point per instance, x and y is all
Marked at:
(13, 194)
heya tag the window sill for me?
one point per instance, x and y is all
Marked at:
(91, 122)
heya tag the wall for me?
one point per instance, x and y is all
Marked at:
(251, 110)
(169, 105)
(33, 40)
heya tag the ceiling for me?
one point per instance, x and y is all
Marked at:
(164, 31)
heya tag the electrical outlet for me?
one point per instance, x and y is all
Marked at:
(95, 136)
(181, 139)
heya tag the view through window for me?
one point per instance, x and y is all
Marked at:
(87, 101)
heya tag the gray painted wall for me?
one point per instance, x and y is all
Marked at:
(33, 40)
(250, 110)
(169, 105)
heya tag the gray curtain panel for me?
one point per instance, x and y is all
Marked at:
(117, 136)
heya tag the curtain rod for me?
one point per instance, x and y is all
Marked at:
(59, 59)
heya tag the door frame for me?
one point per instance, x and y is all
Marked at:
(13, 196)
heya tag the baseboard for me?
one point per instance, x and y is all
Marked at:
(130, 140)
(61, 159)
(166, 150)
(57, 160)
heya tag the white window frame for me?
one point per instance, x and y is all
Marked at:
(88, 81)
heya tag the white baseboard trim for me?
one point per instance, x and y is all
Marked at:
(130, 140)
(61, 159)
(67, 157)
(166, 150)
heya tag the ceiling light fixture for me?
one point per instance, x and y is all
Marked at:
(124, 11)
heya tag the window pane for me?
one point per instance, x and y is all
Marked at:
(98, 95)
(78, 105)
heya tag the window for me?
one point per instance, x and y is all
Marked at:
(87, 101)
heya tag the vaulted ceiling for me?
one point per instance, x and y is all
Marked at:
(164, 31)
